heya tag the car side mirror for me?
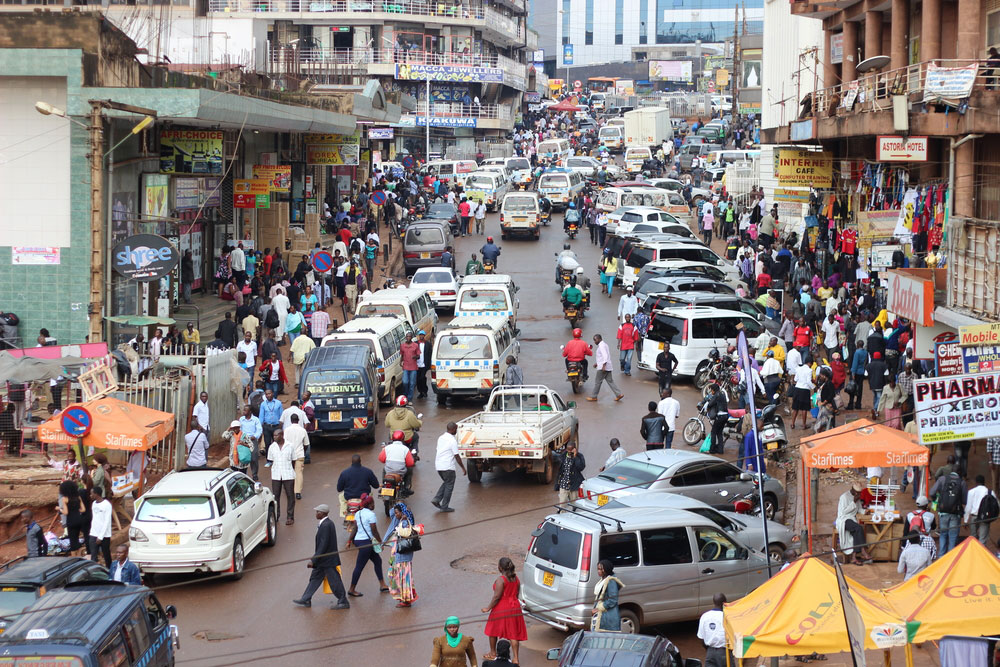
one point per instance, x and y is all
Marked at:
(171, 611)
(553, 654)
(258, 488)
(746, 477)
(571, 404)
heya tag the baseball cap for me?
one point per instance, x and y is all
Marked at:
(322, 508)
(235, 424)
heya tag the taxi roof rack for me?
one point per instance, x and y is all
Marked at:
(576, 509)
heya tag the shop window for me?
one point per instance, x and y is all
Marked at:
(993, 29)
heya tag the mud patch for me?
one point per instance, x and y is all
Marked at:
(484, 561)
(212, 636)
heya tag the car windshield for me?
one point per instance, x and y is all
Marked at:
(644, 199)
(665, 329)
(609, 132)
(558, 545)
(424, 236)
(441, 211)
(519, 163)
(633, 473)
(175, 508)
(554, 181)
(520, 204)
(336, 382)
(464, 346)
(376, 309)
(483, 299)
(432, 277)
(637, 153)
(479, 182)
(13, 599)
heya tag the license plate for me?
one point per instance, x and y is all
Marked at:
(570, 313)
(173, 538)
(464, 374)
(388, 492)
(771, 445)
(660, 345)
(548, 579)
(603, 500)
(520, 219)
(335, 415)
(505, 452)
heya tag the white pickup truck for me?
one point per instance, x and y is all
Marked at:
(519, 428)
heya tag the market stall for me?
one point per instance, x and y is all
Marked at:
(862, 444)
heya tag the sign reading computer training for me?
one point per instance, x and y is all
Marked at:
(805, 168)
(144, 257)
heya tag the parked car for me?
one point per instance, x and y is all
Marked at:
(440, 283)
(443, 212)
(424, 244)
(701, 476)
(587, 649)
(24, 580)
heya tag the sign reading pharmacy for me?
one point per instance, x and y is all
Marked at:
(958, 407)
(900, 149)
(449, 73)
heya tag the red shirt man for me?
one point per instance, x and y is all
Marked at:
(464, 209)
(627, 335)
(410, 352)
(803, 335)
(577, 350)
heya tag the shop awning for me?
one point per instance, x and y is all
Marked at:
(117, 425)
(862, 443)
(958, 594)
(798, 611)
(32, 369)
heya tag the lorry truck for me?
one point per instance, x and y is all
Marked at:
(519, 428)
(648, 127)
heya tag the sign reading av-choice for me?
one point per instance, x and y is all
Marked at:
(144, 257)
(805, 169)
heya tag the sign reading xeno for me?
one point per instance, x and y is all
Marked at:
(144, 257)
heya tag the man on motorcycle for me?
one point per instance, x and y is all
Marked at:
(398, 459)
(572, 295)
(577, 350)
(602, 175)
(566, 261)
(572, 217)
(473, 266)
(545, 207)
(582, 281)
(490, 251)
(403, 418)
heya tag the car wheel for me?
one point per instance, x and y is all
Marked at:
(239, 559)
(271, 538)
(548, 472)
(770, 506)
(442, 399)
(392, 396)
(474, 472)
(775, 554)
(630, 622)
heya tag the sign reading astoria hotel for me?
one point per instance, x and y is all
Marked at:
(958, 407)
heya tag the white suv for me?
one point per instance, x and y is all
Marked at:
(201, 521)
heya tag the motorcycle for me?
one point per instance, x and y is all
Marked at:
(546, 217)
(699, 426)
(392, 490)
(772, 432)
(489, 266)
(353, 507)
(571, 230)
(564, 278)
(715, 370)
(573, 314)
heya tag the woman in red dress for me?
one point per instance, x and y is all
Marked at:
(506, 619)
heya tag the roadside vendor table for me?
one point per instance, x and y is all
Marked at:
(879, 532)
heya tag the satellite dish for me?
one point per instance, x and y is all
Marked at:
(873, 63)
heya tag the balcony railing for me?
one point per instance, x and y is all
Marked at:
(460, 110)
(874, 91)
(449, 9)
(504, 25)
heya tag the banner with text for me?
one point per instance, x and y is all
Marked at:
(279, 177)
(449, 73)
(805, 169)
(191, 151)
(326, 154)
(960, 407)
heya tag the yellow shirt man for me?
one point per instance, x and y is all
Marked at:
(779, 353)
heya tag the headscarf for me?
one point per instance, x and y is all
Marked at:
(401, 506)
(451, 620)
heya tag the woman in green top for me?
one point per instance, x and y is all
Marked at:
(100, 475)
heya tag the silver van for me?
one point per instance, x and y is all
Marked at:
(671, 562)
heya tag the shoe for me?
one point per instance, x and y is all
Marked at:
(308, 461)
(619, 397)
(591, 398)
(447, 509)
(302, 603)
(290, 522)
(298, 496)
(407, 493)
(267, 465)
(436, 504)
(341, 605)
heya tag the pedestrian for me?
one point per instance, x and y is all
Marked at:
(272, 372)
(445, 461)
(602, 362)
(770, 375)
(981, 510)
(502, 658)
(364, 535)
(410, 354)
(324, 563)
(404, 533)
(890, 404)
(270, 416)
(707, 223)
(123, 569)
(606, 616)
(859, 368)
(801, 393)
(712, 633)
(252, 428)
(100, 527)
(617, 454)
(201, 413)
(481, 217)
(281, 457)
(718, 415)
(300, 349)
(653, 428)
(298, 438)
(34, 536)
(453, 649)
(849, 529)
(628, 305)
(426, 348)
(569, 464)
(913, 558)
(513, 376)
(666, 363)
(72, 509)
(506, 619)
(610, 272)
(670, 408)
(627, 337)
(878, 373)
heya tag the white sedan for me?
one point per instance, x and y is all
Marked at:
(588, 166)
(440, 283)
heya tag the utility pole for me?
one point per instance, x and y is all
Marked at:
(96, 308)
(737, 68)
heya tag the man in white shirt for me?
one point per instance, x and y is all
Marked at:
(831, 334)
(771, 376)
(602, 362)
(978, 529)
(238, 264)
(297, 436)
(100, 526)
(201, 413)
(913, 558)
(286, 416)
(670, 408)
(281, 456)
(249, 347)
(627, 305)
(712, 633)
(444, 462)
(801, 401)
(197, 448)
(793, 359)
(617, 454)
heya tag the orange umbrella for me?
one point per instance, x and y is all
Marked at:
(862, 443)
(117, 425)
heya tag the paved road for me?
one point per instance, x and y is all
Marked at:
(252, 621)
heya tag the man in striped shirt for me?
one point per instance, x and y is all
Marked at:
(281, 456)
(319, 326)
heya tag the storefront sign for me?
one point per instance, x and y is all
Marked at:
(144, 257)
(670, 70)
(877, 224)
(279, 177)
(449, 73)
(187, 193)
(925, 339)
(980, 358)
(380, 133)
(948, 358)
(791, 195)
(333, 154)
(251, 193)
(31, 255)
(979, 334)
(191, 151)
(333, 138)
(533, 96)
(901, 149)
(881, 256)
(156, 202)
(805, 168)
(836, 48)
(960, 407)
(949, 83)
(911, 297)
(211, 191)
(750, 108)
(802, 130)
(446, 121)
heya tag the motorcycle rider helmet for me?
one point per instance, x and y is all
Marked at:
(566, 246)
(577, 333)
(579, 271)
(401, 401)
(398, 435)
(489, 239)
(713, 354)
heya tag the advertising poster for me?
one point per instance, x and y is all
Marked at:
(446, 121)
(279, 177)
(156, 197)
(948, 358)
(980, 358)
(326, 154)
(670, 70)
(959, 407)
(30, 255)
(211, 192)
(191, 151)
(333, 138)
(251, 193)
(449, 73)
(187, 193)
(798, 168)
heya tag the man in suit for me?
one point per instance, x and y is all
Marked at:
(325, 563)
(124, 570)
(423, 362)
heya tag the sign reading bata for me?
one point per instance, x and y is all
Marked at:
(446, 121)
(959, 407)
(191, 151)
(144, 257)
(449, 73)
(805, 169)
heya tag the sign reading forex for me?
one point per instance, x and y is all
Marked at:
(805, 169)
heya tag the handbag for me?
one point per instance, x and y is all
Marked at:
(850, 387)
(408, 545)
(707, 445)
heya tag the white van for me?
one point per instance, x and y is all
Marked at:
(470, 356)
(520, 214)
(487, 295)
(412, 304)
(556, 149)
(518, 167)
(616, 122)
(487, 186)
(383, 335)
(634, 157)
(450, 170)
(616, 197)
(560, 186)
(692, 333)
(612, 137)
(597, 101)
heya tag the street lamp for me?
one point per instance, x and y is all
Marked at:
(47, 109)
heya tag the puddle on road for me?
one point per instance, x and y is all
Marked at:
(485, 560)
(211, 636)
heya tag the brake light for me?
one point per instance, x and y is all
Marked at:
(585, 561)
(501, 217)
(434, 374)
(531, 542)
(684, 333)
(410, 255)
(437, 254)
(381, 373)
(579, 492)
(448, 292)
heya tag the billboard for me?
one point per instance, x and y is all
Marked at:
(670, 70)
(449, 73)
(333, 154)
(191, 151)
(958, 407)
(279, 177)
(805, 169)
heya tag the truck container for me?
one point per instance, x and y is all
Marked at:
(648, 127)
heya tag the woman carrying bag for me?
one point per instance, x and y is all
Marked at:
(407, 541)
(606, 616)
